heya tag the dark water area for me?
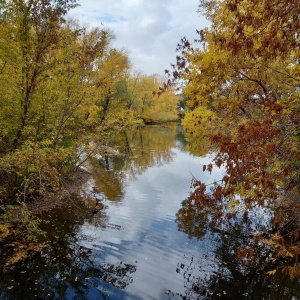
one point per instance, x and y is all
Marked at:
(130, 234)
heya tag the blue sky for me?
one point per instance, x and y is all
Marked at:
(148, 29)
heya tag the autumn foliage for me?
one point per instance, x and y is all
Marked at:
(242, 81)
(63, 87)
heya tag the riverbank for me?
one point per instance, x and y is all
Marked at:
(58, 198)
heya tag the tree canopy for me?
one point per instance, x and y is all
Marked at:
(242, 82)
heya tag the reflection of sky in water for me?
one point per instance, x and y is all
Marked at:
(143, 231)
(133, 249)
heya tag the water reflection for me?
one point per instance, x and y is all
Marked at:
(217, 272)
(66, 269)
(130, 235)
(143, 147)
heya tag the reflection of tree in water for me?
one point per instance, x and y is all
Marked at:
(181, 139)
(191, 221)
(140, 149)
(108, 182)
(52, 276)
(216, 272)
(64, 269)
(147, 147)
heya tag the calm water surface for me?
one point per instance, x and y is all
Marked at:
(129, 234)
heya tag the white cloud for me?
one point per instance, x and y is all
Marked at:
(149, 30)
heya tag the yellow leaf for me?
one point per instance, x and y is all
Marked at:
(271, 272)
(289, 254)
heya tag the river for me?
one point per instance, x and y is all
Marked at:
(129, 234)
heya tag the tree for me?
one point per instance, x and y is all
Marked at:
(33, 26)
(110, 71)
(243, 86)
(53, 76)
(136, 94)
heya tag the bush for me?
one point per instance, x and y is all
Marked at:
(33, 170)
